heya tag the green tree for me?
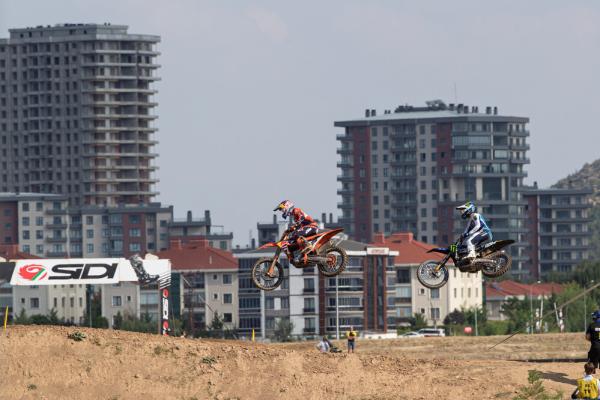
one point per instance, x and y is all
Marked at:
(98, 321)
(283, 330)
(517, 313)
(118, 321)
(418, 321)
(456, 317)
(217, 322)
(143, 324)
(22, 318)
(469, 315)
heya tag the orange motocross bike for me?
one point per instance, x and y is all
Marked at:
(267, 272)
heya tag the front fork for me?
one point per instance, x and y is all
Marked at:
(441, 264)
(272, 266)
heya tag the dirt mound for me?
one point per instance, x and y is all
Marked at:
(42, 362)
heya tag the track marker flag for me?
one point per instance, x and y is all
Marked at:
(253, 334)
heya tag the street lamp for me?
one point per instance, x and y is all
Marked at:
(585, 305)
(531, 307)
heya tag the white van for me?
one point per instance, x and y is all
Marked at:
(431, 332)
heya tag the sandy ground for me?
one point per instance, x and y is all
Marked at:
(42, 363)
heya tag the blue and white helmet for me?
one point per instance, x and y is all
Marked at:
(467, 209)
(596, 315)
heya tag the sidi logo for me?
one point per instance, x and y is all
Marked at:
(33, 272)
(165, 311)
(83, 271)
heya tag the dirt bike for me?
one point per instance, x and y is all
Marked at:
(267, 273)
(491, 260)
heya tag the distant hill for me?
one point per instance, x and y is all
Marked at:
(587, 177)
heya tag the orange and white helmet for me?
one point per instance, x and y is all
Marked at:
(285, 207)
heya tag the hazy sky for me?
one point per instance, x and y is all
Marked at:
(250, 90)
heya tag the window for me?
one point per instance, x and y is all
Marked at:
(215, 296)
(435, 313)
(134, 219)
(26, 235)
(34, 302)
(90, 248)
(116, 301)
(269, 303)
(89, 233)
(227, 279)
(227, 298)
(227, 317)
(72, 302)
(25, 206)
(403, 275)
(135, 232)
(285, 303)
(25, 221)
(135, 247)
(39, 221)
(435, 293)
(89, 220)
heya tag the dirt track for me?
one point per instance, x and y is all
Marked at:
(42, 363)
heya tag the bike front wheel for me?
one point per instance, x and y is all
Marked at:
(260, 277)
(429, 277)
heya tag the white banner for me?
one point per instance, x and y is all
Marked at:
(84, 271)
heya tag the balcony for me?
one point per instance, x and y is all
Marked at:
(310, 310)
(312, 330)
(308, 290)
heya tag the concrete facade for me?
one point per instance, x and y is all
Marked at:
(123, 298)
(405, 171)
(76, 113)
(69, 301)
(558, 230)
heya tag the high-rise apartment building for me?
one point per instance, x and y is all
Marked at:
(75, 113)
(558, 233)
(405, 171)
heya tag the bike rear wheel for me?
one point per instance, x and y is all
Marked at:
(260, 277)
(502, 263)
(431, 279)
(337, 259)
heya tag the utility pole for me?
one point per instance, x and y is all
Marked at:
(337, 310)
(476, 331)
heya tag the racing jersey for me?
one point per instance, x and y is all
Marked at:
(477, 223)
(301, 219)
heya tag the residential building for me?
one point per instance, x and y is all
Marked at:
(408, 297)
(271, 231)
(498, 293)
(76, 113)
(307, 299)
(209, 280)
(69, 301)
(120, 299)
(190, 228)
(406, 171)
(558, 233)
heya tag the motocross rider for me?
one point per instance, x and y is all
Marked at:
(302, 225)
(477, 230)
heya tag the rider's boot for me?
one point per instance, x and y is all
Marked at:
(472, 255)
(307, 247)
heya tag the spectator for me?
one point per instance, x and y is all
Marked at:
(593, 335)
(587, 387)
(324, 345)
(351, 335)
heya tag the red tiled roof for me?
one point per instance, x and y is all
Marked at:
(197, 255)
(410, 251)
(12, 252)
(512, 288)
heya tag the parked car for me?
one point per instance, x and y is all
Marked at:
(410, 335)
(431, 332)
